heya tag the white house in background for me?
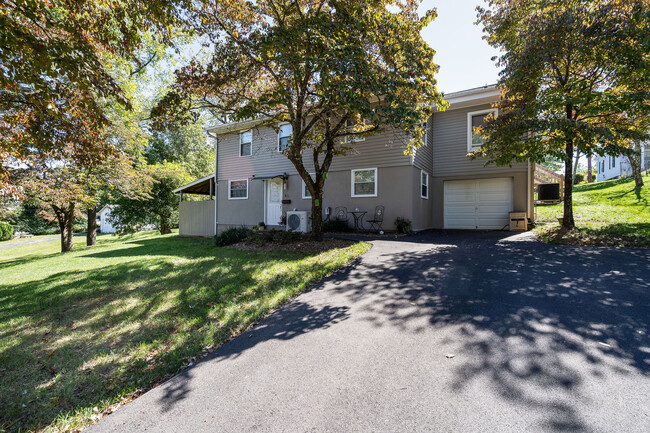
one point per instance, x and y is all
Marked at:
(105, 222)
(611, 167)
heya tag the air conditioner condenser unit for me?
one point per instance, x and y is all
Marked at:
(298, 221)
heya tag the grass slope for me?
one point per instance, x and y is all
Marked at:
(614, 213)
(83, 331)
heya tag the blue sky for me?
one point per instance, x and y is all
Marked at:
(464, 57)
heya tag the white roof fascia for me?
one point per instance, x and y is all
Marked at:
(235, 126)
(203, 179)
(470, 97)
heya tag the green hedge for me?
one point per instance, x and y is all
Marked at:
(232, 236)
(6, 231)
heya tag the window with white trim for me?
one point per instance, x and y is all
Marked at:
(364, 182)
(246, 143)
(305, 191)
(424, 184)
(350, 125)
(476, 119)
(238, 189)
(284, 137)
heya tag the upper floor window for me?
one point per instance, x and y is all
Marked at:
(350, 126)
(245, 143)
(284, 137)
(476, 119)
(237, 189)
(364, 182)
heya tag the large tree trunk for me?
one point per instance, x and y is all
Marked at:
(590, 177)
(91, 231)
(635, 162)
(65, 217)
(165, 228)
(567, 219)
(317, 217)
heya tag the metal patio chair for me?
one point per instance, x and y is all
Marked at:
(341, 213)
(378, 219)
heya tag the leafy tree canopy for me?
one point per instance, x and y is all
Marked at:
(573, 78)
(159, 206)
(184, 144)
(55, 57)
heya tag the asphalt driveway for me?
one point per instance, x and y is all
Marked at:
(444, 332)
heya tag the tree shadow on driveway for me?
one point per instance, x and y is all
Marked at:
(532, 320)
(295, 319)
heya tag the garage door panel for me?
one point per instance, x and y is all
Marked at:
(460, 222)
(478, 204)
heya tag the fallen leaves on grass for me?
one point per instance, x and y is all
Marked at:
(613, 235)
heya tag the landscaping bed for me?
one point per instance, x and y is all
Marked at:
(84, 332)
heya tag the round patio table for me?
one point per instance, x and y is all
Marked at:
(358, 218)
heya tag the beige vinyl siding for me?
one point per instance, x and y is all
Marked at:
(423, 158)
(384, 149)
(450, 146)
(196, 218)
(393, 195)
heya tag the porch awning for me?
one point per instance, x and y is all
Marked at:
(200, 186)
(284, 176)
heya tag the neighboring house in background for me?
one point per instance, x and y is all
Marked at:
(105, 224)
(438, 187)
(611, 167)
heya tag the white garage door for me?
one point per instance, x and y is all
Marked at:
(478, 204)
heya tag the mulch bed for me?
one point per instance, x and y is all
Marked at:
(302, 245)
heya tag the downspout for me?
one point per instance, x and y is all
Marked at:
(216, 189)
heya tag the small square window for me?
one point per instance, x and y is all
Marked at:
(476, 120)
(424, 184)
(364, 182)
(350, 126)
(284, 137)
(245, 143)
(237, 189)
(305, 191)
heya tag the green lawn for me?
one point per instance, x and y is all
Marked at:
(612, 213)
(84, 331)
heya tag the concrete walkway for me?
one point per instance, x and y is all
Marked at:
(442, 332)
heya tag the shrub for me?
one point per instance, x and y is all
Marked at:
(403, 225)
(232, 236)
(6, 231)
(335, 226)
(578, 178)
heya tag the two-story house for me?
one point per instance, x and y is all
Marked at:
(614, 166)
(438, 187)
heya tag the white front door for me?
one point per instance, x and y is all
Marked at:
(273, 201)
(478, 204)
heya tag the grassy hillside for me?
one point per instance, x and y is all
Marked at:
(83, 331)
(612, 213)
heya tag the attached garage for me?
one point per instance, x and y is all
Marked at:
(478, 204)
